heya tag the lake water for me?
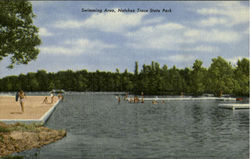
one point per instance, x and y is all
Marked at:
(100, 128)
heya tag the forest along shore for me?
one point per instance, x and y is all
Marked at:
(219, 78)
(20, 137)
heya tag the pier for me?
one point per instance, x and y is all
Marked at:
(186, 98)
(235, 106)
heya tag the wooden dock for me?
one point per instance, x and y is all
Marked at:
(235, 106)
(186, 98)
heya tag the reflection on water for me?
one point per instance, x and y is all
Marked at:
(99, 127)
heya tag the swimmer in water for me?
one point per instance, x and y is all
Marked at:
(154, 102)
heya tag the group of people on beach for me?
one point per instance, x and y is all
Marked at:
(20, 95)
(59, 96)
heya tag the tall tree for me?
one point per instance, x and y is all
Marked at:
(32, 83)
(242, 77)
(18, 36)
(197, 78)
(175, 80)
(136, 77)
(220, 76)
(42, 78)
(136, 68)
(127, 83)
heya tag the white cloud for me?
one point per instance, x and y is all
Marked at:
(87, 44)
(169, 26)
(163, 36)
(44, 32)
(155, 31)
(77, 47)
(202, 48)
(214, 35)
(154, 20)
(235, 12)
(56, 50)
(174, 36)
(113, 22)
(68, 24)
(211, 11)
(192, 33)
(212, 21)
(247, 30)
(108, 22)
(180, 58)
(41, 3)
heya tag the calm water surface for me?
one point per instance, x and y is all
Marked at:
(100, 128)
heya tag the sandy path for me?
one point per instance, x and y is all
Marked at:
(33, 107)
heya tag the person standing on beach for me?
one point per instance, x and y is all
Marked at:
(21, 96)
(45, 100)
(52, 97)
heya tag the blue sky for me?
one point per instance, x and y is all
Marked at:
(77, 40)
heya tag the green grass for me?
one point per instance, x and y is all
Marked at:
(4, 130)
(21, 127)
(26, 127)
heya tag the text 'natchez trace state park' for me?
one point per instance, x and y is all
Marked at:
(126, 10)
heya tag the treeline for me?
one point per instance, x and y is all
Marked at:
(220, 77)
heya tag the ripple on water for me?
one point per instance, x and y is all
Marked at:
(99, 127)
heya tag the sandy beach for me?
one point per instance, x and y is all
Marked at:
(34, 108)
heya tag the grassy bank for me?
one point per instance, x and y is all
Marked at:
(20, 137)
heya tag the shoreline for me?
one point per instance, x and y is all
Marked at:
(21, 137)
(24, 131)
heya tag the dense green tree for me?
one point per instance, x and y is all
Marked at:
(136, 79)
(197, 78)
(127, 83)
(42, 78)
(152, 80)
(23, 81)
(18, 36)
(242, 77)
(136, 72)
(175, 80)
(186, 80)
(221, 76)
(32, 83)
(82, 81)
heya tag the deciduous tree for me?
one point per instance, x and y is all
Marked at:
(18, 36)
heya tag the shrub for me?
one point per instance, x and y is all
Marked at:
(3, 130)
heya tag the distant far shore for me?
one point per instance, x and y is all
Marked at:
(219, 79)
(47, 93)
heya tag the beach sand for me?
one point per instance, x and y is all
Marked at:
(33, 107)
